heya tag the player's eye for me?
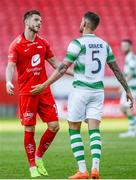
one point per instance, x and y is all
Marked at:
(36, 19)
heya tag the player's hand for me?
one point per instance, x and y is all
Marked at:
(9, 88)
(37, 89)
(130, 98)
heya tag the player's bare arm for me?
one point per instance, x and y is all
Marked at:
(116, 70)
(9, 76)
(128, 78)
(55, 64)
(57, 74)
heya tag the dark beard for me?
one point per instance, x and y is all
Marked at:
(33, 30)
(126, 52)
(80, 30)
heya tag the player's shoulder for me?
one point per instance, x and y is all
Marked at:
(93, 37)
(15, 42)
(104, 42)
(76, 41)
(40, 38)
(131, 56)
(99, 39)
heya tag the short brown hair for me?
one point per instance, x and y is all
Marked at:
(30, 13)
(128, 41)
(93, 18)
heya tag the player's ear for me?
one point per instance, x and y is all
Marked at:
(84, 25)
(26, 22)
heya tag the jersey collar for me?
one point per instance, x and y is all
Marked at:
(25, 40)
(90, 35)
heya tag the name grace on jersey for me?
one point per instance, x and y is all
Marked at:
(95, 45)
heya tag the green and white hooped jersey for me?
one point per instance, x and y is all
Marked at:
(130, 68)
(89, 54)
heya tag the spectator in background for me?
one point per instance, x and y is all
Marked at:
(130, 75)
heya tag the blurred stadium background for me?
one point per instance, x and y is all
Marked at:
(61, 19)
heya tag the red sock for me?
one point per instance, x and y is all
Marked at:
(30, 147)
(45, 141)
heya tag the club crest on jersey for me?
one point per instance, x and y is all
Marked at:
(35, 60)
(28, 115)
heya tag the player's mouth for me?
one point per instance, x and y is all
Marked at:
(37, 27)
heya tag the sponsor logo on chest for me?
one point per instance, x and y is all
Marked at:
(35, 60)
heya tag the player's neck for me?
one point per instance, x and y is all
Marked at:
(128, 52)
(29, 35)
(87, 31)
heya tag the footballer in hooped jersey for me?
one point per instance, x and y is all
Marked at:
(89, 53)
(28, 53)
(129, 71)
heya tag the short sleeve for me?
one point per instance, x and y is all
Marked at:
(12, 54)
(73, 51)
(132, 64)
(110, 55)
(48, 54)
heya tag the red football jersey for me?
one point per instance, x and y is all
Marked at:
(30, 61)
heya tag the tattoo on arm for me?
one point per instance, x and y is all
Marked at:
(62, 68)
(117, 72)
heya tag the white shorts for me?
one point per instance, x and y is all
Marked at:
(85, 104)
(123, 99)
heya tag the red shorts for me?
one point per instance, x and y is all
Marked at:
(30, 106)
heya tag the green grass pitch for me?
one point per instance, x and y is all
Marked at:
(118, 155)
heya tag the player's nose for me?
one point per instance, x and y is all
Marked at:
(39, 23)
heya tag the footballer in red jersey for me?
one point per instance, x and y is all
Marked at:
(28, 53)
(30, 57)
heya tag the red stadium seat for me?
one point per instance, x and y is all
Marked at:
(61, 21)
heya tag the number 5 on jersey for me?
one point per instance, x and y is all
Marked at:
(93, 65)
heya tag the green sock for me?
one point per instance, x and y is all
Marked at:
(95, 146)
(77, 147)
(131, 119)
